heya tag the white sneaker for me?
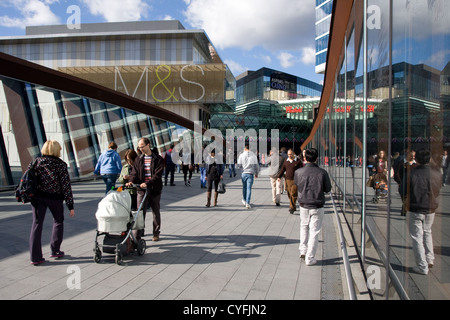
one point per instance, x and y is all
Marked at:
(243, 202)
(311, 262)
(248, 206)
(420, 271)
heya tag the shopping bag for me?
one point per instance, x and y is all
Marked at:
(221, 187)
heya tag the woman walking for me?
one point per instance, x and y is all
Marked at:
(109, 166)
(130, 157)
(214, 172)
(53, 188)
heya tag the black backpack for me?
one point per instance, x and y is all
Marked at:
(26, 189)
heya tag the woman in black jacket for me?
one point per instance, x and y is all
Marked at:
(53, 188)
(214, 172)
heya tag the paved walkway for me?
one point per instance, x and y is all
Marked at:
(219, 253)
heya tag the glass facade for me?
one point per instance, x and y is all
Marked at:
(390, 93)
(33, 114)
(268, 84)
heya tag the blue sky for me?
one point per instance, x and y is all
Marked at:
(248, 34)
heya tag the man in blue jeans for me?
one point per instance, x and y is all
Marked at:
(250, 169)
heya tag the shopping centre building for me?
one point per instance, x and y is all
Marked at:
(174, 77)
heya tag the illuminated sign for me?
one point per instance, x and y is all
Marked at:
(291, 109)
(370, 108)
(161, 83)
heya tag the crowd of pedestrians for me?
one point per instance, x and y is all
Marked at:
(419, 175)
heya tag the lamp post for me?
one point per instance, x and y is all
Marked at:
(294, 130)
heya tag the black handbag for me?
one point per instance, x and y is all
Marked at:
(222, 187)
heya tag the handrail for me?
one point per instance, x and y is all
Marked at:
(348, 272)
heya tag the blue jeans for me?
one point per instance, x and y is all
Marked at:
(247, 182)
(203, 177)
(110, 181)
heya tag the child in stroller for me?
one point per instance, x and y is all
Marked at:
(380, 186)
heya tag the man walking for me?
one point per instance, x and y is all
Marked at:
(147, 173)
(250, 169)
(312, 183)
(424, 185)
(275, 163)
(290, 165)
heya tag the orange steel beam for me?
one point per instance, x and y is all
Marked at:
(27, 71)
(338, 28)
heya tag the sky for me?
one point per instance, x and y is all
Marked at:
(247, 34)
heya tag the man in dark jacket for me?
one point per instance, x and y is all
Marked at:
(312, 184)
(424, 185)
(147, 173)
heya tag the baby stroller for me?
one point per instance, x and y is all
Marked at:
(380, 186)
(116, 223)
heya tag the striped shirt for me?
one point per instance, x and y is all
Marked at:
(147, 168)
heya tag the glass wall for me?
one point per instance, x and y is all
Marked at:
(391, 102)
(31, 115)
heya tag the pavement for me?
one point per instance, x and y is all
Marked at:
(226, 252)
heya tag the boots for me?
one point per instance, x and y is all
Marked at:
(216, 194)
(208, 199)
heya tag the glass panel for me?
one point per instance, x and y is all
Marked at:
(421, 34)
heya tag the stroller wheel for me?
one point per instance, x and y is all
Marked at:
(97, 255)
(141, 246)
(119, 256)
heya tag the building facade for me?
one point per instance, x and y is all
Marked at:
(157, 62)
(268, 99)
(323, 21)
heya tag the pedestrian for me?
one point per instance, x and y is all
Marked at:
(124, 177)
(444, 164)
(52, 189)
(109, 166)
(202, 168)
(250, 170)
(381, 163)
(290, 165)
(169, 167)
(147, 173)
(312, 183)
(232, 164)
(188, 167)
(424, 185)
(214, 173)
(275, 162)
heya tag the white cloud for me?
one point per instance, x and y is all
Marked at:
(286, 59)
(308, 56)
(274, 25)
(235, 67)
(118, 10)
(33, 12)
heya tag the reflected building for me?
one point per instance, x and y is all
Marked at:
(387, 89)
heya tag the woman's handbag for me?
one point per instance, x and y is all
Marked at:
(221, 187)
(369, 182)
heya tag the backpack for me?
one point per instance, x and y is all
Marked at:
(25, 190)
